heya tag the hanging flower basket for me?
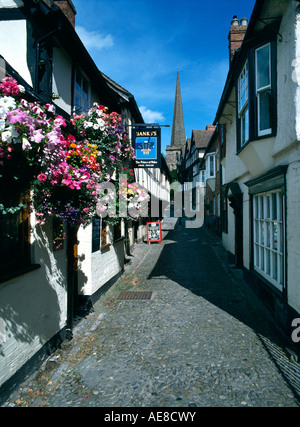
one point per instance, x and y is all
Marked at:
(63, 173)
(106, 133)
(26, 129)
(69, 187)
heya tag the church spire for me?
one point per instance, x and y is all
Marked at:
(178, 137)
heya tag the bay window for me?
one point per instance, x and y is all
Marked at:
(256, 95)
(243, 104)
(263, 89)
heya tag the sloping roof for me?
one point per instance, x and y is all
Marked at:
(122, 91)
(127, 96)
(202, 137)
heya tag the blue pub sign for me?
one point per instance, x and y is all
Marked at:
(147, 146)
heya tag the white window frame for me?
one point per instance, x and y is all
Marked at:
(84, 104)
(210, 171)
(268, 236)
(262, 90)
(243, 103)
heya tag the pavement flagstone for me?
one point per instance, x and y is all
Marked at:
(197, 342)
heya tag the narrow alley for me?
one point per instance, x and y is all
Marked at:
(194, 339)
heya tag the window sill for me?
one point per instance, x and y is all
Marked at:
(258, 138)
(278, 290)
(19, 272)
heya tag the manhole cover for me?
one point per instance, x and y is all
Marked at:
(135, 295)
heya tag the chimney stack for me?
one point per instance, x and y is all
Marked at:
(236, 35)
(210, 128)
(68, 9)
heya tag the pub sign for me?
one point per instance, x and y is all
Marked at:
(147, 146)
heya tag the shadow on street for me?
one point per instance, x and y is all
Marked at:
(190, 258)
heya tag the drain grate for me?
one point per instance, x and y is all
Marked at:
(135, 295)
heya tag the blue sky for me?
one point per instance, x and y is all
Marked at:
(141, 43)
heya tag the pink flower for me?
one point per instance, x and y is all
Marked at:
(37, 110)
(85, 177)
(76, 185)
(15, 116)
(54, 139)
(56, 173)
(24, 103)
(24, 118)
(86, 210)
(50, 108)
(37, 136)
(42, 177)
(9, 86)
(59, 121)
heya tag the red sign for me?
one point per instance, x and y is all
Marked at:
(154, 232)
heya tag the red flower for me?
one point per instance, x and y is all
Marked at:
(42, 177)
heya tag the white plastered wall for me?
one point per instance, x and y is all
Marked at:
(14, 47)
(33, 306)
(97, 268)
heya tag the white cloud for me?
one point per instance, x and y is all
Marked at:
(94, 39)
(150, 116)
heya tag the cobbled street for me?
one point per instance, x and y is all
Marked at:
(198, 342)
